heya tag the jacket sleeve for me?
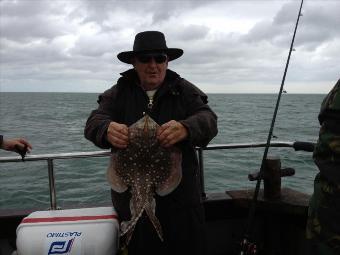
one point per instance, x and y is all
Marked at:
(330, 107)
(201, 121)
(99, 119)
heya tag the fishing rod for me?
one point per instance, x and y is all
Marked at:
(247, 246)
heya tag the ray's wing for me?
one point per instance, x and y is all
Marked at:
(117, 184)
(175, 176)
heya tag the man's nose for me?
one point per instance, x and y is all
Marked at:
(152, 62)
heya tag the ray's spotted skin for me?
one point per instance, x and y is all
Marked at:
(147, 169)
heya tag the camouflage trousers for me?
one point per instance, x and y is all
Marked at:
(323, 224)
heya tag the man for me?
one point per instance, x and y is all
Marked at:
(185, 121)
(19, 145)
(323, 226)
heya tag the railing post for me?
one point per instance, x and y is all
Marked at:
(201, 171)
(53, 197)
(272, 178)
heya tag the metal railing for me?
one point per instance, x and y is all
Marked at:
(305, 146)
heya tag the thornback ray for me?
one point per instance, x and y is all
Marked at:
(146, 169)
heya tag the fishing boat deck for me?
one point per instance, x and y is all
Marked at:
(278, 226)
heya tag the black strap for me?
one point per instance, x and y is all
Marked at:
(21, 151)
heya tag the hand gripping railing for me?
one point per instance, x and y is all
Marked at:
(305, 146)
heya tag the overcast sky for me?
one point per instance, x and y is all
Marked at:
(229, 46)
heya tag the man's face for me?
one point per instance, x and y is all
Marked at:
(151, 69)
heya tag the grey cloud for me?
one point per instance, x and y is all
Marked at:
(262, 31)
(324, 15)
(30, 54)
(50, 45)
(19, 29)
(97, 11)
(27, 20)
(231, 57)
(160, 10)
(287, 14)
(165, 10)
(317, 25)
(100, 11)
(23, 9)
(193, 32)
(93, 46)
(279, 30)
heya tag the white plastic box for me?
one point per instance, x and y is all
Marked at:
(87, 231)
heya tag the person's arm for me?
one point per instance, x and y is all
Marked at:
(101, 128)
(200, 126)
(201, 123)
(326, 154)
(16, 144)
(99, 120)
(330, 107)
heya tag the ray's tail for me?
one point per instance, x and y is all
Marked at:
(127, 227)
(150, 211)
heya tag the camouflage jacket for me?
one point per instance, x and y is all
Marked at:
(327, 152)
(328, 146)
(324, 212)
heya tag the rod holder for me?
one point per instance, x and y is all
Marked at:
(271, 177)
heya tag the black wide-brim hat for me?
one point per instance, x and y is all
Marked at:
(149, 41)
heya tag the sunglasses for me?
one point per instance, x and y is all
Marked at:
(146, 58)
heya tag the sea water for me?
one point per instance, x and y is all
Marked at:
(54, 123)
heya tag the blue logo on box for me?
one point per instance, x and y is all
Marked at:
(61, 247)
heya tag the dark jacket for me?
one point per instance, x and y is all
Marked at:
(177, 99)
(180, 213)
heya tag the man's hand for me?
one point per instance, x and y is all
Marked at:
(15, 144)
(171, 132)
(118, 135)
